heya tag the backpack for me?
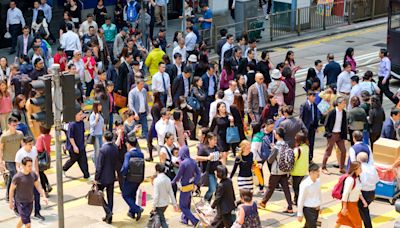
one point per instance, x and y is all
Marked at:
(337, 191)
(135, 170)
(131, 12)
(170, 171)
(265, 147)
(228, 54)
(286, 158)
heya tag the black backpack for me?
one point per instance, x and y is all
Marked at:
(135, 170)
(228, 54)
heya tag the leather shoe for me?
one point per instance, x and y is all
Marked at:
(139, 214)
(132, 216)
(108, 218)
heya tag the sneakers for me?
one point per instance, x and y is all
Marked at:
(267, 17)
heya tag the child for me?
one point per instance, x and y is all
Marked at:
(248, 213)
(175, 159)
(245, 162)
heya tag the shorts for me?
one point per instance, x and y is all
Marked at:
(25, 211)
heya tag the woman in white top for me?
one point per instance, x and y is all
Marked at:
(40, 26)
(4, 69)
(277, 87)
(349, 215)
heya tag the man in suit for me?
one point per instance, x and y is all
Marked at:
(24, 42)
(257, 98)
(210, 87)
(292, 126)
(123, 73)
(221, 42)
(242, 68)
(137, 102)
(332, 70)
(175, 69)
(106, 166)
(181, 85)
(235, 60)
(390, 124)
(310, 116)
(336, 133)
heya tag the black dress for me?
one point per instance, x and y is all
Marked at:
(219, 126)
(238, 120)
(100, 19)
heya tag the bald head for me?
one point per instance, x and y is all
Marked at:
(233, 85)
(259, 78)
(362, 157)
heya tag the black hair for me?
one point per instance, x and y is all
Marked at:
(12, 119)
(394, 111)
(220, 94)
(246, 195)
(313, 167)
(317, 62)
(223, 32)
(177, 55)
(108, 136)
(27, 139)
(25, 160)
(346, 64)
(160, 168)
(281, 132)
(222, 172)
(358, 136)
(131, 139)
(384, 52)
(229, 36)
(177, 115)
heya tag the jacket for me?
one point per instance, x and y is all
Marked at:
(224, 197)
(206, 82)
(123, 76)
(357, 119)
(388, 130)
(153, 59)
(306, 117)
(331, 72)
(133, 153)
(376, 119)
(199, 94)
(134, 100)
(178, 89)
(330, 123)
(189, 172)
(292, 126)
(253, 99)
(107, 164)
(274, 158)
(20, 44)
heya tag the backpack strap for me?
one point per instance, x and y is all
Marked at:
(298, 157)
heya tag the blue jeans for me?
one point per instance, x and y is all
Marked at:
(143, 122)
(12, 169)
(129, 190)
(98, 142)
(212, 186)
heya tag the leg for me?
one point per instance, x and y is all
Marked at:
(43, 179)
(111, 121)
(364, 211)
(195, 120)
(157, 13)
(36, 196)
(184, 203)
(311, 140)
(96, 148)
(212, 187)
(83, 164)
(328, 151)
(129, 195)
(311, 217)
(342, 149)
(10, 166)
(73, 157)
(272, 183)
(351, 137)
(283, 180)
(227, 220)
(160, 211)
(150, 140)
(296, 186)
(145, 128)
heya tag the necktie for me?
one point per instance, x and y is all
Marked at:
(312, 113)
(261, 95)
(163, 82)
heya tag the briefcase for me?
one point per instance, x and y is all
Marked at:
(119, 100)
(95, 197)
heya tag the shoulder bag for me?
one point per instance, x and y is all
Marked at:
(232, 135)
(193, 102)
(43, 158)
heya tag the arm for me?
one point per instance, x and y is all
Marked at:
(250, 98)
(218, 195)
(273, 155)
(352, 154)
(171, 194)
(99, 165)
(21, 17)
(213, 124)
(300, 200)
(179, 174)
(240, 218)
(40, 190)
(11, 195)
(131, 102)
(235, 165)
(124, 169)
(156, 194)
(388, 68)
(8, 21)
(1, 156)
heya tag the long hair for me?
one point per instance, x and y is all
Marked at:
(209, 136)
(375, 102)
(5, 93)
(242, 145)
(40, 17)
(157, 99)
(227, 67)
(100, 91)
(219, 105)
(238, 102)
(300, 139)
(18, 100)
(287, 58)
(353, 167)
(349, 52)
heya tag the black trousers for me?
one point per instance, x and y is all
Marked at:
(205, 119)
(273, 182)
(82, 162)
(108, 206)
(221, 221)
(311, 216)
(311, 140)
(296, 186)
(385, 90)
(15, 30)
(364, 211)
(44, 181)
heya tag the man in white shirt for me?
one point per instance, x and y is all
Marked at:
(229, 94)
(181, 49)
(320, 72)
(355, 90)
(161, 83)
(70, 42)
(14, 24)
(252, 46)
(228, 45)
(163, 193)
(164, 125)
(219, 96)
(369, 178)
(310, 198)
(84, 28)
(29, 150)
(344, 80)
(190, 40)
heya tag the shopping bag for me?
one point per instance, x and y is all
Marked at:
(141, 197)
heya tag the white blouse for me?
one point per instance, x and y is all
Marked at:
(351, 194)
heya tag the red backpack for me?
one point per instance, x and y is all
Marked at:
(337, 191)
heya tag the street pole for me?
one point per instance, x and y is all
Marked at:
(57, 97)
(184, 17)
(166, 16)
(143, 25)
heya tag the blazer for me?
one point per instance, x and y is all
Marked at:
(253, 98)
(306, 117)
(134, 100)
(178, 89)
(292, 126)
(224, 197)
(200, 95)
(123, 76)
(206, 82)
(331, 72)
(172, 71)
(388, 130)
(330, 123)
(107, 164)
(20, 44)
(376, 119)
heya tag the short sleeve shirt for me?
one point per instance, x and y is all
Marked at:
(22, 153)
(76, 130)
(25, 184)
(207, 15)
(11, 144)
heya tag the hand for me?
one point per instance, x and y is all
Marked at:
(45, 200)
(201, 19)
(119, 91)
(95, 182)
(136, 117)
(259, 166)
(210, 157)
(383, 81)
(176, 208)
(365, 204)
(195, 188)
(231, 118)
(300, 218)
(120, 132)
(76, 150)
(344, 211)
(11, 204)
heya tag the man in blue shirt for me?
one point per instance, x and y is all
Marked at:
(76, 145)
(206, 20)
(129, 188)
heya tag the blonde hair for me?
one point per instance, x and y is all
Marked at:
(242, 145)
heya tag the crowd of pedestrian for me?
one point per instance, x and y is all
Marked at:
(241, 106)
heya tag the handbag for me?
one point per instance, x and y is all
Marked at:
(232, 135)
(119, 100)
(95, 197)
(193, 102)
(43, 159)
(88, 77)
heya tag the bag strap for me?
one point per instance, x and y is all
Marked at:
(298, 157)
(279, 85)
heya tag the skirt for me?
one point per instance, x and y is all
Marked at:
(352, 218)
(245, 183)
